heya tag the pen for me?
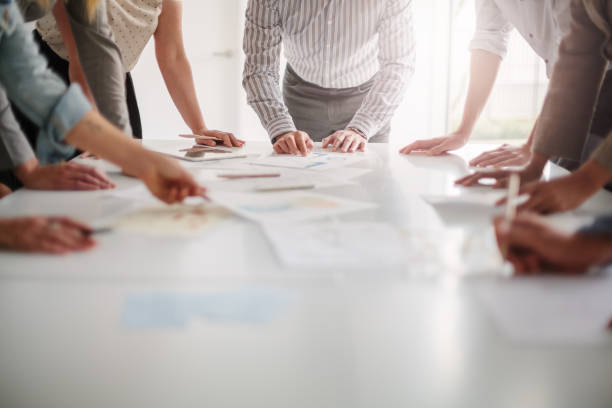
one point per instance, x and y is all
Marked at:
(286, 188)
(514, 186)
(248, 176)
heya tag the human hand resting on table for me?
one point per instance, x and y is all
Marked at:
(504, 156)
(227, 139)
(438, 146)
(54, 235)
(164, 177)
(534, 247)
(531, 172)
(63, 176)
(346, 141)
(565, 193)
(296, 143)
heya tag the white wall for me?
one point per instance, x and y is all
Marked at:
(215, 26)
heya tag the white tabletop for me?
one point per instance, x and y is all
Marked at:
(72, 336)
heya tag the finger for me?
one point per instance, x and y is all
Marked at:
(502, 182)
(227, 139)
(327, 141)
(363, 145)
(532, 264)
(420, 145)
(284, 147)
(514, 161)
(438, 150)
(205, 141)
(355, 145)
(338, 142)
(301, 144)
(50, 247)
(534, 203)
(86, 179)
(102, 178)
(494, 160)
(292, 146)
(309, 143)
(520, 268)
(346, 144)
(277, 148)
(235, 141)
(70, 223)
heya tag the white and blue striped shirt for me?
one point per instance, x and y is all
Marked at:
(333, 44)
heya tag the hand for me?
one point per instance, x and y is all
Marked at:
(504, 156)
(531, 172)
(295, 143)
(63, 176)
(532, 247)
(52, 235)
(4, 191)
(167, 179)
(228, 139)
(347, 141)
(563, 194)
(438, 146)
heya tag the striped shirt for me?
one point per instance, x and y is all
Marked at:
(332, 44)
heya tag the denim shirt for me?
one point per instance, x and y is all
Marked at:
(37, 91)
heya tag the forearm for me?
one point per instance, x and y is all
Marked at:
(96, 135)
(178, 77)
(483, 73)
(75, 70)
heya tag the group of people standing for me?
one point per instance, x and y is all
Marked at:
(348, 67)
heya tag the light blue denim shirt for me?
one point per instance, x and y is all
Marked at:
(38, 92)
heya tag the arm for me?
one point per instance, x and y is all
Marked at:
(176, 70)
(262, 47)
(75, 68)
(489, 46)
(397, 60)
(573, 90)
(15, 148)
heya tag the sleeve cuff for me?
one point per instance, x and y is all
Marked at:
(365, 126)
(490, 43)
(280, 127)
(69, 111)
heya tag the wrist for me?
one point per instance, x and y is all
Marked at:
(359, 132)
(5, 228)
(26, 170)
(593, 174)
(537, 163)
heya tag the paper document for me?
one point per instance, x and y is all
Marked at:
(287, 207)
(178, 219)
(338, 245)
(550, 310)
(184, 150)
(318, 160)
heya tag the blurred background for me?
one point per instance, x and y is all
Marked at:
(433, 104)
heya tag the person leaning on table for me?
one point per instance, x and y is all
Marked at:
(65, 117)
(133, 24)
(534, 247)
(566, 116)
(349, 64)
(543, 24)
(18, 164)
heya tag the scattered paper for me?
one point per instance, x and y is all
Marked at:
(550, 310)
(318, 160)
(287, 207)
(184, 150)
(338, 245)
(179, 219)
(172, 310)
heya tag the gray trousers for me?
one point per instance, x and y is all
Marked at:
(321, 112)
(99, 56)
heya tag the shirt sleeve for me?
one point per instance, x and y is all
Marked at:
(39, 93)
(396, 56)
(261, 77)
(15, 148)
(492, 29)
(601, 227)
(572, 93)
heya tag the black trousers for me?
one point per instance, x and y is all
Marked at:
(60, 67)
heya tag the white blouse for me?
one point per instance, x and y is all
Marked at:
(133, 23)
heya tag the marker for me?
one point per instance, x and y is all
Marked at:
(248, 176)
(286, 188)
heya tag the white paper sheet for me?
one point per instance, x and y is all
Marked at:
(550, 311)
(338, 245)
(318, 160)
(287, 178)
(173, 148)
(287, 207)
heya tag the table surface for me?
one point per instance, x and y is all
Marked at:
(321, 338)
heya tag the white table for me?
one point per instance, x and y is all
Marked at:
(379, 338)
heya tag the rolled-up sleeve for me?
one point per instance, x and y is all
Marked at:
(492, 29)
(261, 77)
(397, 62)
(14, 146)
(38, 92)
